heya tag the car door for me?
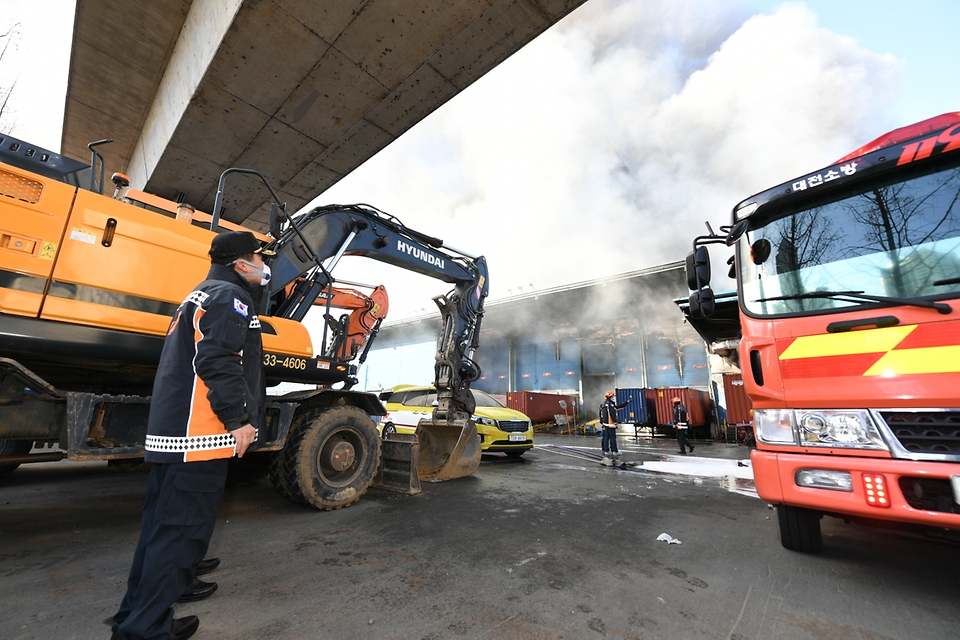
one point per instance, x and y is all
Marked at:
(401, 411)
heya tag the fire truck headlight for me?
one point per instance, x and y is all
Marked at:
(774, 426)
(839, 428)
(849, 428)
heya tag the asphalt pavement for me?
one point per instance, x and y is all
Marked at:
(551, 545)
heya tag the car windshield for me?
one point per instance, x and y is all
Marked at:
(428, 398)
(485, 400)
(892, 239)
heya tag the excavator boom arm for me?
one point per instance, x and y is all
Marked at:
(308, 249)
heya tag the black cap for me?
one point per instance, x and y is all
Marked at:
(233, 244)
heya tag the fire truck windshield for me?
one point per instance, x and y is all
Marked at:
(896, 240)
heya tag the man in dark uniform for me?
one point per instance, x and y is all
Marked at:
(608, 422)
(680, 424)
(208, 404)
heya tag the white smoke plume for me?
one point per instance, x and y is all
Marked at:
(604, 145)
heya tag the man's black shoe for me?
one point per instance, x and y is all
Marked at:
(183, 628)
(683, 452)
(208, 565)
(691, 448)
(198, 591)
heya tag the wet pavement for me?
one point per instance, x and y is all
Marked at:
(545, 546)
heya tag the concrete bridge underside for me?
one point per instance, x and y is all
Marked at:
(302, 90)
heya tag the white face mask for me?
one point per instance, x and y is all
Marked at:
(257, 271)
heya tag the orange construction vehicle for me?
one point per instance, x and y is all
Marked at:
(848, 286)
(89, 283)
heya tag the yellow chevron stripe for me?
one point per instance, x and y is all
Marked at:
(847, 343)
(913, 361)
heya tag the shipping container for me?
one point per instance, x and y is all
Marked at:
(697, 403)
(739, 408)
(542, 407)
(639, 409)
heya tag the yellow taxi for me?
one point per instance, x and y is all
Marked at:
(501, 430)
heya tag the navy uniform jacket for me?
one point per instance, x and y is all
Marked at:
(210, 380)
(608, 411)
(679, 413)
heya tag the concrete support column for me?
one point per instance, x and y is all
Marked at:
(204, 29)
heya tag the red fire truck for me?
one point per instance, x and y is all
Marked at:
(848, 288)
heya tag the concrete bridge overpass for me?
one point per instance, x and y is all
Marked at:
(301, 90)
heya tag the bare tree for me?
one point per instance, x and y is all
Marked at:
(898, 219)
(803, 240)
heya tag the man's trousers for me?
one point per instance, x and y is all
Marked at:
(179, 513)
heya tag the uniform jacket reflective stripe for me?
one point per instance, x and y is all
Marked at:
(210, 379)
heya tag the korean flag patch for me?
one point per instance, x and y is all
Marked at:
(240, 308)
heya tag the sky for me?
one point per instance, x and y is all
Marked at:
(605, 144)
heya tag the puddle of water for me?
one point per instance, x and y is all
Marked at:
(732, 475)
(701, 467)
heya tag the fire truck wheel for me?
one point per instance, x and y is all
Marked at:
(332, 458)
(799, 529)
(13, 448)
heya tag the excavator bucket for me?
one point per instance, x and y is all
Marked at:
(448, 449)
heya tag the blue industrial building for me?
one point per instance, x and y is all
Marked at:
(583, 338)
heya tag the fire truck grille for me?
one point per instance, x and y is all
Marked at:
(929, 494)
(513, 426)
(926, 431)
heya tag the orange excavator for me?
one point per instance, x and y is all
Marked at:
(89, 282)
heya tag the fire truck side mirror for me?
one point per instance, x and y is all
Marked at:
(697, 269)
(702, 303)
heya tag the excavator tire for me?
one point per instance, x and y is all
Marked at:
(277, 471)
(13, 448)
(331, 457)
(277, 474)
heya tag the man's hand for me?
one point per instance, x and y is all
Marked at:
(244, 437)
